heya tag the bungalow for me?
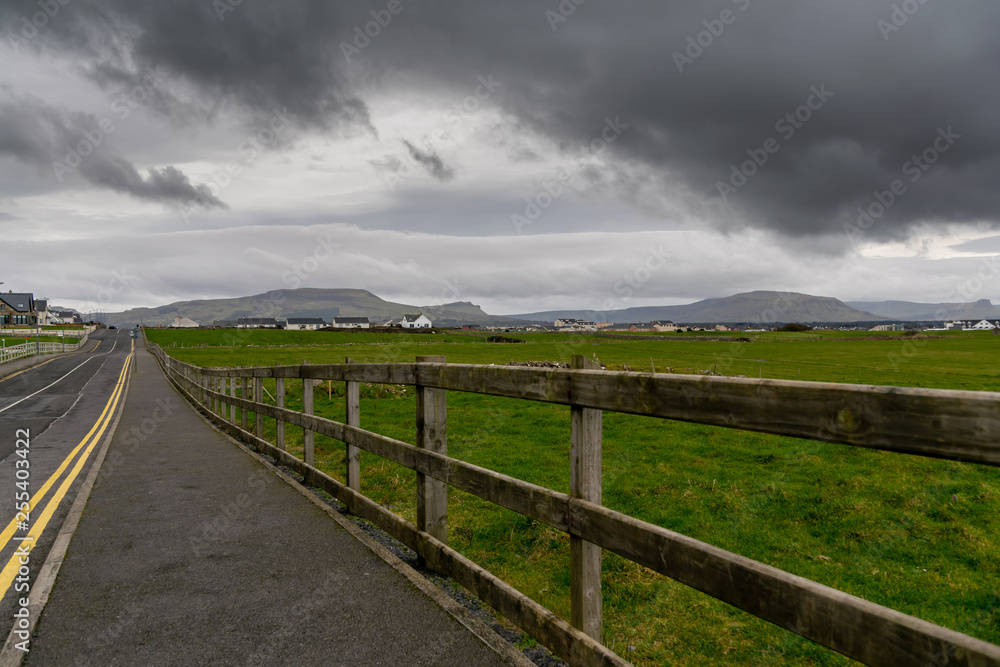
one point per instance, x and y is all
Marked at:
(418, 321)
(351, 323)
(257, 323)
(986, 324)
(17, 309)
(183, 323)
(304, 323)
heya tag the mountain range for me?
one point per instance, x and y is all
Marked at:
(306, 302)
(906, 310)
(745, 308)
(764, 307)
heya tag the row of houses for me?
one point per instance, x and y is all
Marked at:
(981, 325)
(21, 309)
(414, 321)
(572, 324)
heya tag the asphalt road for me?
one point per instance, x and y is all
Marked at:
(50, 415)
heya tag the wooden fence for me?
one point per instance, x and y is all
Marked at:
(958, 425)
(14, 352)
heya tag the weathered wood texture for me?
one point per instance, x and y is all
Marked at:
(943, 423)
(279, 395)
(585, 483)
(308, 438)
(432, 435)
(564, 640)
(857, 628)
(352, 399)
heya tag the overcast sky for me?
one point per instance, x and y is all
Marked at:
(522, 155)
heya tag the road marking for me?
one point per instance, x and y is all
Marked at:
(44, 388)
(38, 525)
(14, 375)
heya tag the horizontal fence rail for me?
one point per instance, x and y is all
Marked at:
(14, 352)
(939, 423)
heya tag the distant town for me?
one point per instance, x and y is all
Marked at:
(22, 310)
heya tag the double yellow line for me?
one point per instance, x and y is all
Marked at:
(38, 524)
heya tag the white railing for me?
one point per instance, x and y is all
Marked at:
(23, 350)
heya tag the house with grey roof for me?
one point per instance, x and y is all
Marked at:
(18, 309)
(351, 323)
(304, 323)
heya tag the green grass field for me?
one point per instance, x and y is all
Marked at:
(7, 341)
(911, 533)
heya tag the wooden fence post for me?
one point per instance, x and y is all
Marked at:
(258, 386)
(585, 483)
(232, 394)
(352, 398)
(308, 437)
(244, 388)
(432, 434)
(279, 427)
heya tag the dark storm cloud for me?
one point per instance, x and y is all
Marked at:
(432, 162)
(61, 145)
(848, 92)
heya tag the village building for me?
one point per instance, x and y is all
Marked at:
(304, 323)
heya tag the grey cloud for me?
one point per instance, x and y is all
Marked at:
(432, 162)
(562, 79)
(61, 144)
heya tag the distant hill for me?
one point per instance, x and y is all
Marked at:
(910, 311)
(748, 307)
(306, 302)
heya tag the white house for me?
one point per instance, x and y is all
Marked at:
(418, 321)
(351, 323)
(183, 323)
(981, 325)
(257, 323)
(304, 323)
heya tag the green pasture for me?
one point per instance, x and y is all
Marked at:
(911, 533)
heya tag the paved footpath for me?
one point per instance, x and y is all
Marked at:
(190, 552)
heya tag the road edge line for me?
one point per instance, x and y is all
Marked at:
(42, 587)
(51, 357)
